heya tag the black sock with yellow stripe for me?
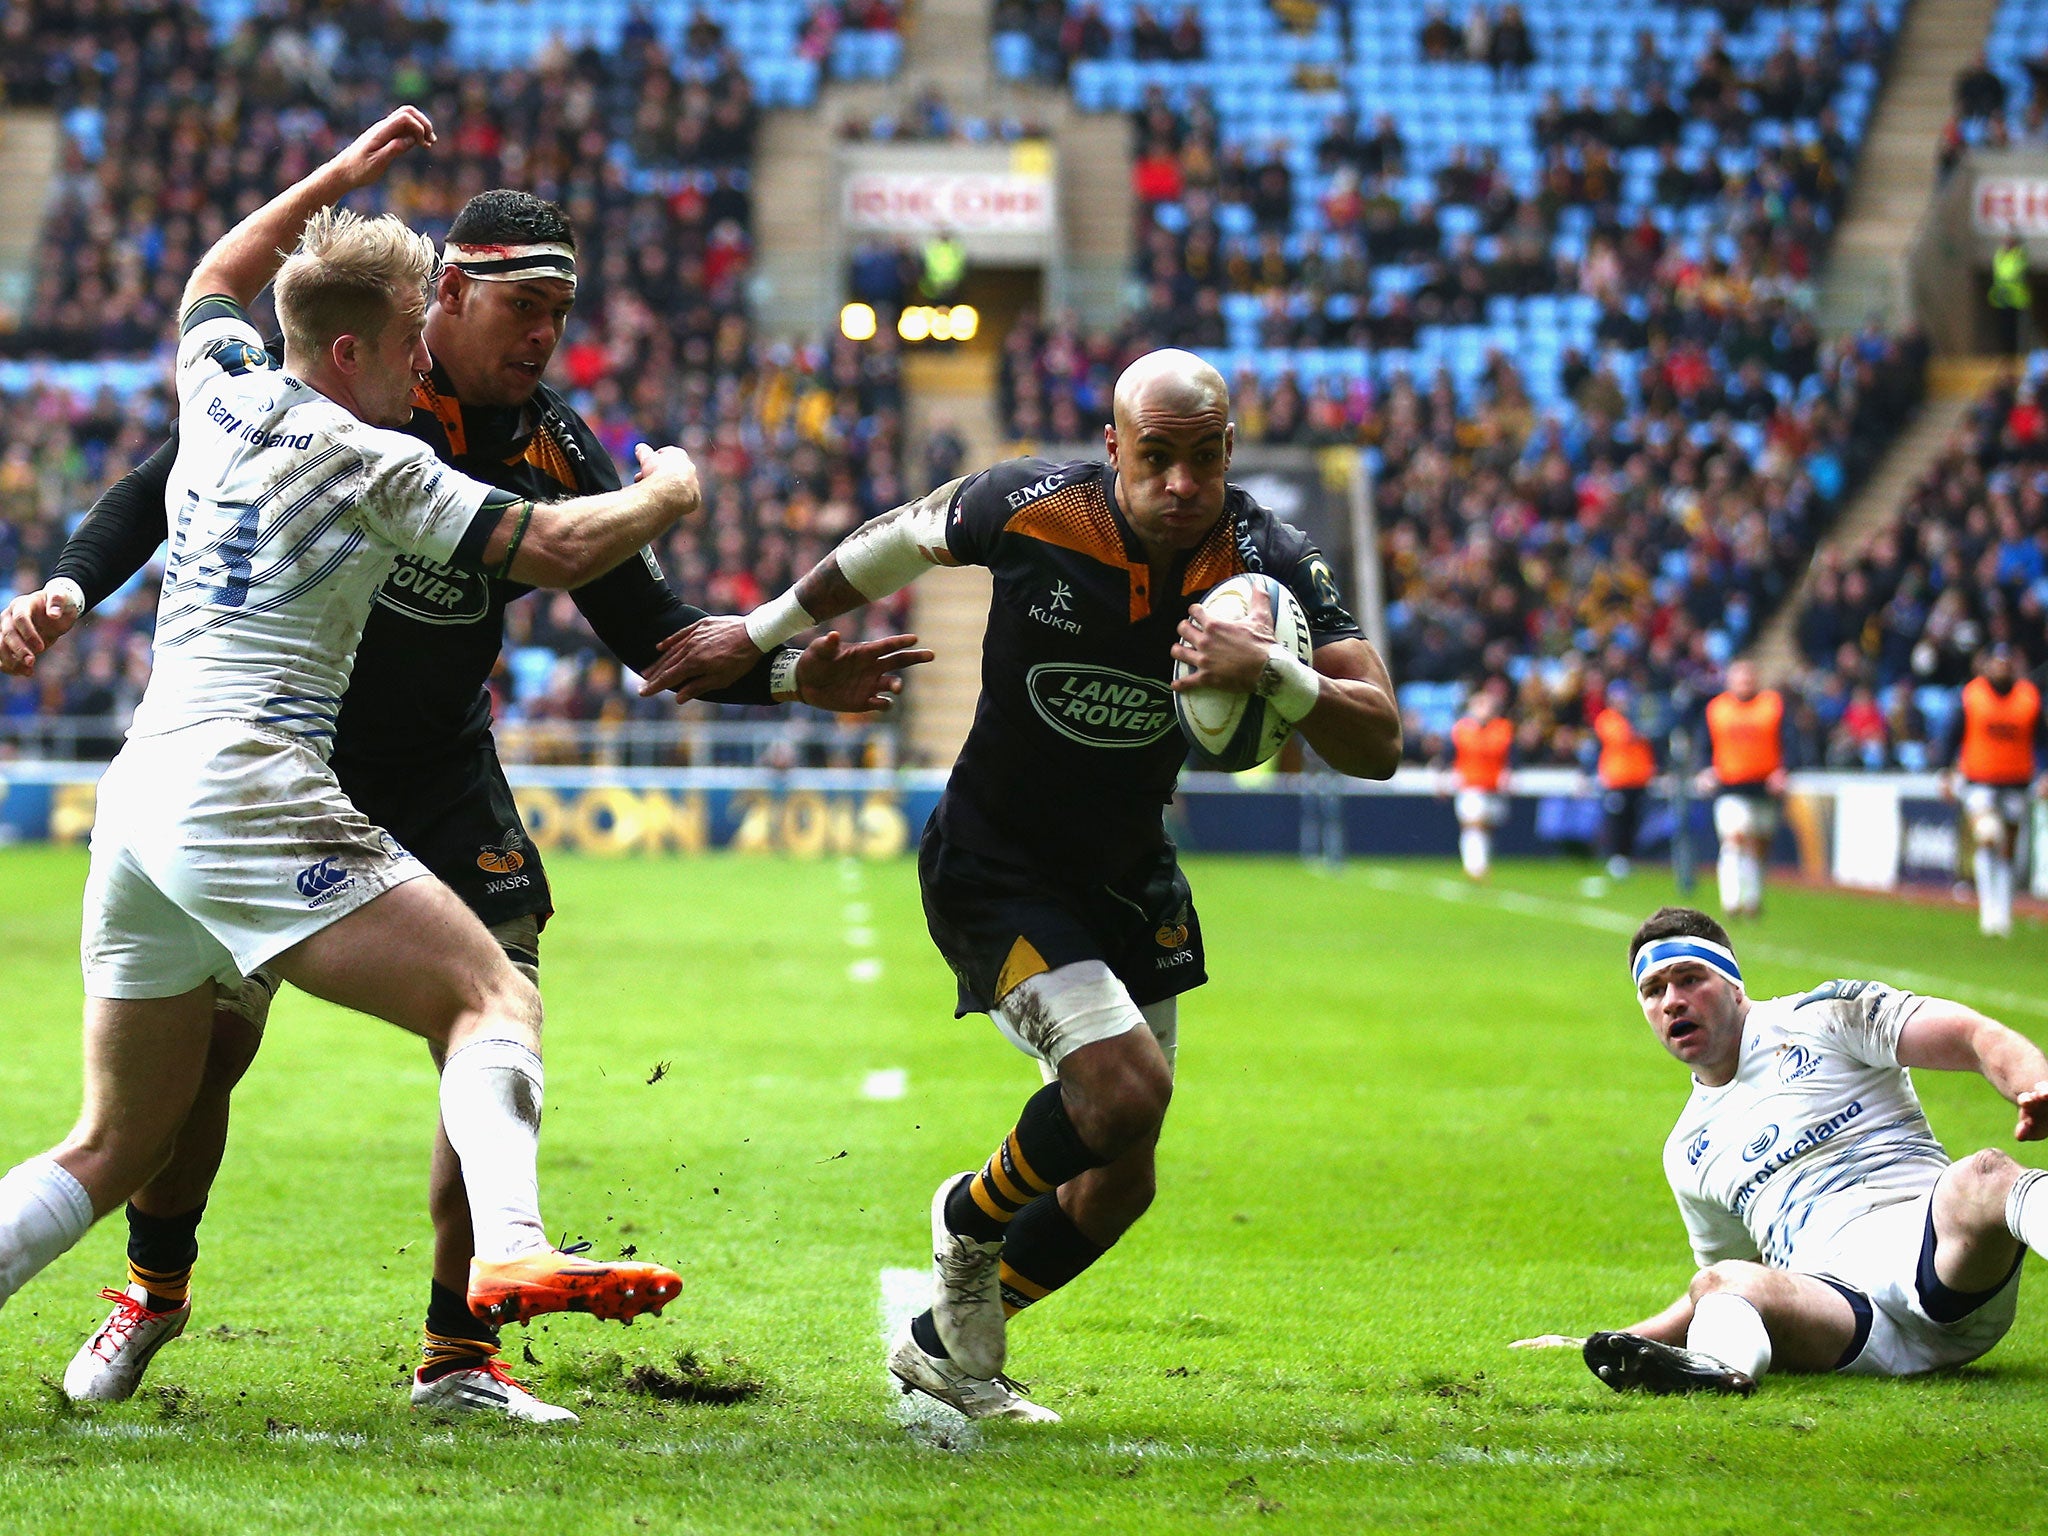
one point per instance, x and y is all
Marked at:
(161, 1253)
(1040, 1155)
(1044, 1250)
(456, 1339)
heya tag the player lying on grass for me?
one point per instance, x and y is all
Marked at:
(1050, 885)
(412, 744)
(1831, 1231)
(223, 842)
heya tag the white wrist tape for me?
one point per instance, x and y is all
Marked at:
(782, 683)
(1291, 684)
(776, 621)
(67, 589)
(890, 553)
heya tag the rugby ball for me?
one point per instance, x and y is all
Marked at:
(1235, 731)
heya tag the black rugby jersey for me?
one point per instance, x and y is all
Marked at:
(1075, 747)
(433, 638)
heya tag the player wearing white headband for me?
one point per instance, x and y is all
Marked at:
(1829, 1228)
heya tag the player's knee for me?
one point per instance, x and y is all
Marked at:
(1126, 1105)
(1735, 1277)
(504, 1005)
(230, 1052)
(1980, 1181)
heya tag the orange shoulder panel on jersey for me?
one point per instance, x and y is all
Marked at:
(1216, 560)
(1078, 517)
(1998, 733)
(1480, 751)
(1747, 747)
(545, 455)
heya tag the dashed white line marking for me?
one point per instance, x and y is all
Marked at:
(869, 969)
(860, 938)
(889, 1083)
(904, 1294)
(856, 912)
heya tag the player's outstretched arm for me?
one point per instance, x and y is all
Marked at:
(1666, 1327)
(248, 256)
(566, 543)
(1949, 1037)
(1344, 704)
(881, 556)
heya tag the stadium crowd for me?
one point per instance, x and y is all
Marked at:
(648, 150)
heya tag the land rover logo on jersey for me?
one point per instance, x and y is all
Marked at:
(1765, 1139)
(1100, 706)
(435, 594)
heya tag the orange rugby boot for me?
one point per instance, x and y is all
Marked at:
(552, 1281)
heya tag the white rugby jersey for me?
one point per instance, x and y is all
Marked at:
(1819, 1126)
(287, 513)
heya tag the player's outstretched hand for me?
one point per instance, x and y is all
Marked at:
(714, 652)
(364, 162)
(1229, 654)
(854, 679)
(2033, 1106)
(33, 621)
(1550, 1341)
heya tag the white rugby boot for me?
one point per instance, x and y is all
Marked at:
(967, 1292)
(945, 1381)
(486, 1387)
(109, 1366)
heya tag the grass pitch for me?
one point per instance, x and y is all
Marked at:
(1414, 1121)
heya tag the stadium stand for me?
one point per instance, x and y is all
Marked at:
(1562, 298)
(796, 444)
(1901, 620)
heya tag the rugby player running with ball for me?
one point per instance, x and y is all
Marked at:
(1050, 885)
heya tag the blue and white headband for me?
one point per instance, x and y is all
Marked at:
(1659, 953)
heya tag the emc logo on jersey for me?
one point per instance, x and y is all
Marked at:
(1766, 1139)
(1035, 490)
(321, 883)
(1797, 1061)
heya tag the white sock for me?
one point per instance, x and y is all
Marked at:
(43, 1211)
(1752, 882)
(1729, 872)
(490, 1107)
(1475, 848)
(1732, 1331)
(2001, 893)
(1987, 897)
(2026, 1209)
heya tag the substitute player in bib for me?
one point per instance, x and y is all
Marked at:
(1831, 1231)
(1482, 748)
(1994, 749)
(223, 842)
(1050, 885)
(1746, 732)
(412, 746)
(1626, 763)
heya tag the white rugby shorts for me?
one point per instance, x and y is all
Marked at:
(1744, 816)
(216, 848)
(2008, 803)
(1480, 808)
(1053, 1014)
(1879, 1255)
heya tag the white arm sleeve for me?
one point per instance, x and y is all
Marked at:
(1715, 1234)
(891, 552)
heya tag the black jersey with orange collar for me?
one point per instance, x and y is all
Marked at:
(1075, 749)
(433, 639)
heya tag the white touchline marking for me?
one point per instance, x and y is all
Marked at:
(861, 938)
(889, 1083)
(1587, 916)
(869, 969)
(905, 1293)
